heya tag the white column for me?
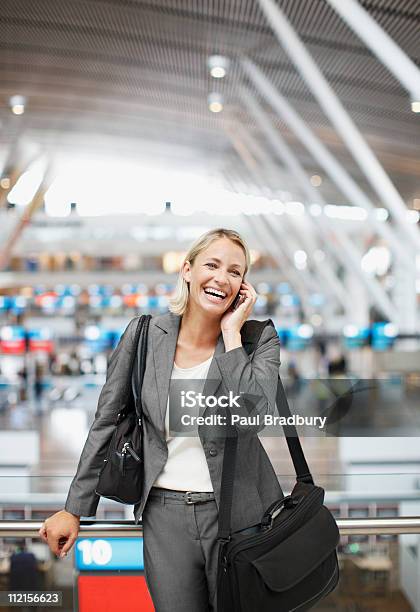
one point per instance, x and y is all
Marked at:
(405, 299)
(358, 303)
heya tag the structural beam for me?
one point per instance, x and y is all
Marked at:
(289, 249)
(15, 165)
(380, 43)
(297, 281)
(24, 221)
(261, 229)
(329, 281)
(345, 183)
(348, 255)
(274, 250)
(333, 108)
(293, 276)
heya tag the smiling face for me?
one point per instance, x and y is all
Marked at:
(216, 276)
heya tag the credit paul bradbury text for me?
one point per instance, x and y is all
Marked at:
(266, 420)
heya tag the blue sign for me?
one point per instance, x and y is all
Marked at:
(283, 288)
(289, 300)
(282, 334)
(97, 338)
(41, 333)
(383, 336)
(162, 301)
(260, 305)
(355, 337)
(153, 302)
(12, 333)
(5, 302)
(299, 337)
(18, 303)
(116, 337)
(102, 554)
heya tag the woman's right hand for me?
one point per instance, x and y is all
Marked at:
(60, 531)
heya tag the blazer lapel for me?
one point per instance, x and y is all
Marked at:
(164, 346)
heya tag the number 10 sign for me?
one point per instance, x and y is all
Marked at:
(101, 554)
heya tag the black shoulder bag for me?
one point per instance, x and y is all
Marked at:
(290, 562)
(121, 477)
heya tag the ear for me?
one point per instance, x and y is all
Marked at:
(186, 271)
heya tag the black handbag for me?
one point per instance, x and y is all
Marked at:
(288, 561)
(122, 474)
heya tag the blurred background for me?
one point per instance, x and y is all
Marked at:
(127, 129)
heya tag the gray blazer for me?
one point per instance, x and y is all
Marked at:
(256, 485)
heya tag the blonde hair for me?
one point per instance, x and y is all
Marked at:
(178, 302)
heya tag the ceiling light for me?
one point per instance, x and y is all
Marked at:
(413, 216)
(350, 331)
(278, 207)
(17, 104)
(347, 213)
(377, 260)
(381, 214)
(300, 259)
(215, 102)
(218, 72)
(415, 105)
(390, 330)
(294, 208)
(315, 210)
(5, 182)
(218, 66)
(305, 331)
(316, 320)
(316, 180)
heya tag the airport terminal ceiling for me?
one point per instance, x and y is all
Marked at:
(131, 78)
(115, 96)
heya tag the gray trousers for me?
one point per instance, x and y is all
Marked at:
(180, 553)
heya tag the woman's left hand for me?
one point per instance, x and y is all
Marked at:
(233, 320)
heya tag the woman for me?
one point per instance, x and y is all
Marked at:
(198, 339)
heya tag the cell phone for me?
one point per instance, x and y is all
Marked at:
(236, 301)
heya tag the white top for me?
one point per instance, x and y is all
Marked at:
(186, 467)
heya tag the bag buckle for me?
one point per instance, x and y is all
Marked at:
(268, 519)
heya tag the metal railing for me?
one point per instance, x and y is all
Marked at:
(127, 529)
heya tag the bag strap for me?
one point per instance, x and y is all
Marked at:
(142, 367)
(251, 332)
(140, 336)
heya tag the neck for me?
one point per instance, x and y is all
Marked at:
(200, 329)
